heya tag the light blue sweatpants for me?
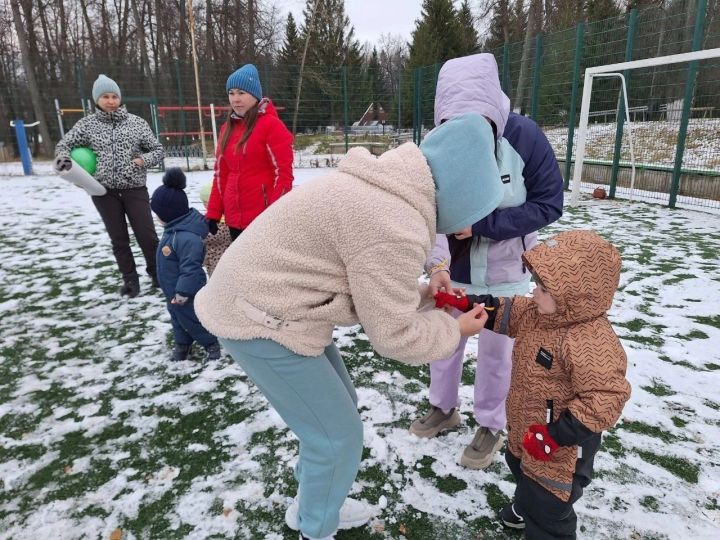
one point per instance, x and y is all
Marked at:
(317, 400)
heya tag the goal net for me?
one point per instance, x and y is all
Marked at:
(631, 140)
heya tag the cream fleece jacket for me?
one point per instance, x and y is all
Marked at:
(345, 248)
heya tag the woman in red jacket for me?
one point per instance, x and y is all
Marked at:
(253, 162)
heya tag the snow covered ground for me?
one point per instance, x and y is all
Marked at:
(100, 434)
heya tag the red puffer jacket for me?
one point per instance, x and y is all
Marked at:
(246, 182)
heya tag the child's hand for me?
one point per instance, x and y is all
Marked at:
(473, 321)
(140, 162)
(538, 442)
(443, 299)
(179, 299)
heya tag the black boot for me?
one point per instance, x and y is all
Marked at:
(155, 283)
(180, 353)
(130, 288)
(212, 352)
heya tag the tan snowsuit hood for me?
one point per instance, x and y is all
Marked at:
(580, 270)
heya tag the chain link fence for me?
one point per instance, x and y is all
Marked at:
(676, 147)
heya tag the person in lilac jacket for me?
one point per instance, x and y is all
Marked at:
(485, 258)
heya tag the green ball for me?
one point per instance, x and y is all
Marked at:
(86, 158)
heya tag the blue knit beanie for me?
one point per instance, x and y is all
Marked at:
(246, 79)
(169, 201)
(104, 85)
(461, 156)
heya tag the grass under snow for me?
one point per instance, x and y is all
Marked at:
(101, 436)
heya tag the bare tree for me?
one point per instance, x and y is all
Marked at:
(20, 26)
(534, 25)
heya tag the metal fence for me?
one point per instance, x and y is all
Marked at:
(677, 148)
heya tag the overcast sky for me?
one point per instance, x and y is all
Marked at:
(371, 18)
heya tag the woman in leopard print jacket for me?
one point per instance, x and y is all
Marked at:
(125, 147)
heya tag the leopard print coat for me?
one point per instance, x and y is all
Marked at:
(215, 246)
(116, 138)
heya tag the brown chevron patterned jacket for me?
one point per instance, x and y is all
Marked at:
(569, 367)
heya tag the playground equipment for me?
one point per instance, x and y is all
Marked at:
(206, 111)
(25, 155)
(210, 111)
(86, 108)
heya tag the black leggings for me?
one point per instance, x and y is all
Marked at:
(134, 203)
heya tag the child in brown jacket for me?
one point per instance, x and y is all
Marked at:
(568, 377)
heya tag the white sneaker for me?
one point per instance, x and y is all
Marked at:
(353, 513)
(303, 537)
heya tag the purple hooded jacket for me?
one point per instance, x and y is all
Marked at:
(490, 259)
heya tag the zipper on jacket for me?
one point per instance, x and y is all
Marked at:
(112, 137)
(549, 411)
(522, 239)
(264, 195)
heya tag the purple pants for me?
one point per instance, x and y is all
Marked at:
(492, 379)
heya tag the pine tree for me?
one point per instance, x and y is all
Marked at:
(288, 65)
(437, 35)
(292, 46)
(333, 53)
(469, 36)
(601, 9)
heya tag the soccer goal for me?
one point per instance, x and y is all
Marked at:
(648, 161)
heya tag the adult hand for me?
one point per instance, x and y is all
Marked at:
(212, 226)
(440, 281)
(140, 162)
(473, 321)
(465, 233)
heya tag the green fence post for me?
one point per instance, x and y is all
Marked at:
(421, 95)
(183, 124)
(630, 43)
(399, 90)
(579, 42)
(687, 102)
(266, 78)
(506, 68)
(536, 76)
(346, 110)
(416, 74)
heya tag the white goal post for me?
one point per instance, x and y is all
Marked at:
(613, 70)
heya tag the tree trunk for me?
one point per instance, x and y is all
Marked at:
(532, 27)
(209, 32)
(89, 27)
(654, 100)
(32, 82)
(144, 60)
(309, 30)
(251, 31)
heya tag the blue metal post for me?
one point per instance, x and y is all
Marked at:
(23, 147)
